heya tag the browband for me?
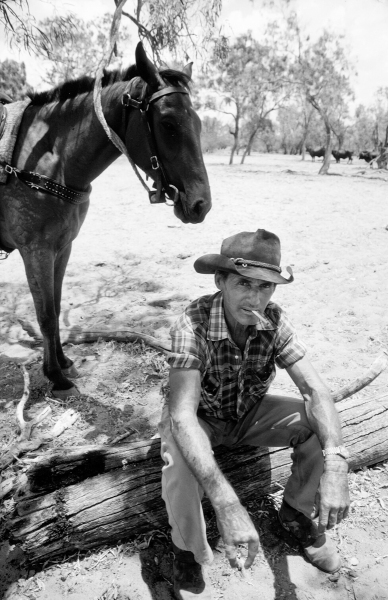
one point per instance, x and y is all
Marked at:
(165, 91)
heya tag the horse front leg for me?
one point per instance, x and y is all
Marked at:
(39, 265)
(60, 264)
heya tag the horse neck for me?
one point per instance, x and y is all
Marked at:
(88, 149)
(65, 140)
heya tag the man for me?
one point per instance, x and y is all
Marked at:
(224, 351)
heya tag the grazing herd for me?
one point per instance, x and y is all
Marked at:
(344, 154)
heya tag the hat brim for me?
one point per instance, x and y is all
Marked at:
(210, 263)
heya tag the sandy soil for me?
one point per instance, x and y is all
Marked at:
(132, 267)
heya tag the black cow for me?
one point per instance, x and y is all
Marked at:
(368, 156)
(313, 153)
(344, 154)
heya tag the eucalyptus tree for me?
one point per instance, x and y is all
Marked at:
(13, 79)
(321, 71)
(81, 52)
(182, 28)
(247, 83)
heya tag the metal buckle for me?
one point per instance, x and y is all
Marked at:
(8, 169)
(127, 100)
(154, 162)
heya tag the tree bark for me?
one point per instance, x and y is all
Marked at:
(247, 150)
(83, 497)
(327, 158)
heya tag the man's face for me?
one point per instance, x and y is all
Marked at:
(242, 295)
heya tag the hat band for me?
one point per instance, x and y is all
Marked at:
(242, 262)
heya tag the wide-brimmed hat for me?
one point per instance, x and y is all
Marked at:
(252, 254)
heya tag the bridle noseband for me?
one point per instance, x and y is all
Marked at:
(165, 191)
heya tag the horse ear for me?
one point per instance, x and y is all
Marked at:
(188, 69)
(146, 69)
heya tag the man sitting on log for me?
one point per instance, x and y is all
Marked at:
(224, 350)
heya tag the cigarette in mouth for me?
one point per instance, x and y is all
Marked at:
(260, 317)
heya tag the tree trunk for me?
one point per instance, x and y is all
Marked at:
(303, 152)
(84, 497)
(247, 150)
(327, 158)
(236, 135)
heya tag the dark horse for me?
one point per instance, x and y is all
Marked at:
(62, 139)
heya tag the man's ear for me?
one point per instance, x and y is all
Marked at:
(218, 280)
(146, 69)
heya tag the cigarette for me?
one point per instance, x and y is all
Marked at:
(260, 317)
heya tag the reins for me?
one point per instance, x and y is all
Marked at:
(162, 184)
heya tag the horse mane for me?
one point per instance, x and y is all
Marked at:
(75, 87)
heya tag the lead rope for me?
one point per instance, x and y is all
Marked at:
(112, 135)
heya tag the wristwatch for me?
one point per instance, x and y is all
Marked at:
(339, 450)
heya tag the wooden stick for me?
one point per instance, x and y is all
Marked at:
(27, 426)
(126, 335)
(378, 365)
(89, 336)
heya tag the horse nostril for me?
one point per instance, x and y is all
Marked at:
(198, 208)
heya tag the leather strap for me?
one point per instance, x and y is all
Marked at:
(49, 186)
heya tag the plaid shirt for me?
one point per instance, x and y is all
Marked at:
(232, 383)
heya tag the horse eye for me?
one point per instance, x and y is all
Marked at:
(167, 125)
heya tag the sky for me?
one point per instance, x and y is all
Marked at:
(364, 23)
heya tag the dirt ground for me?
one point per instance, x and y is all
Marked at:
(132, 267)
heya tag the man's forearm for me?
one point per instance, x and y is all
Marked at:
(196, 450)
(324, 419)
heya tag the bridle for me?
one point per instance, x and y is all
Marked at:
(163, 187)
(164, 192)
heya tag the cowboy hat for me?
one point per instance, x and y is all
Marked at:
(252, 254)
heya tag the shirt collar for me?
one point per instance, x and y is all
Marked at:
(218, 329)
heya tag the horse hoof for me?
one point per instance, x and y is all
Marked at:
(64, 394)
(70, 372)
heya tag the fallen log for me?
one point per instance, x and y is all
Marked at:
(84, 497)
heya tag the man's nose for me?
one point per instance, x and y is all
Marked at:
(256, 297)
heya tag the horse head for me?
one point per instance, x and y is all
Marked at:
(172, 129)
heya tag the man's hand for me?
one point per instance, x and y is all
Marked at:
(333, 496)
(236, 527)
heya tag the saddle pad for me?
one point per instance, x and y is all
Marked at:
(15, 112)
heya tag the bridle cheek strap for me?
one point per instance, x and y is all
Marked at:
(163, 186)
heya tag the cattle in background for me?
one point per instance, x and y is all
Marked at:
(313, 153)
(368, 156)
(343, 154)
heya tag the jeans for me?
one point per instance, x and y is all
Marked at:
(277, 421)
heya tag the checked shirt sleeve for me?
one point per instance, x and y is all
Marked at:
(289, 348)
(187, 344)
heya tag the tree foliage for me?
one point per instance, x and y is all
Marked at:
(81, 52)
(13, 79)
(22, 30)
(248, 84)
(183, 28)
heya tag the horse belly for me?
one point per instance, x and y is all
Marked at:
(29, 218)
